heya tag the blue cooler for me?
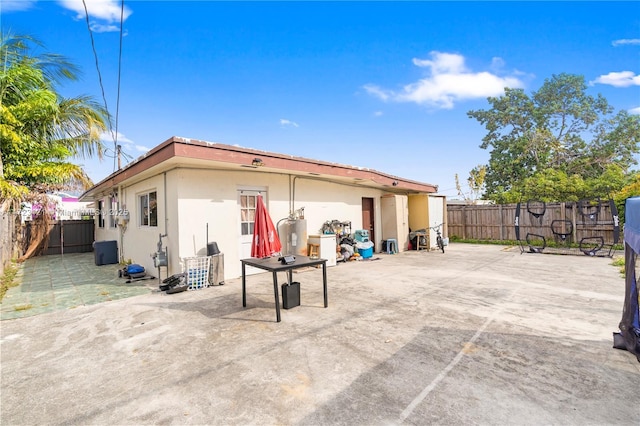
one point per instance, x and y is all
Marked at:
(365, 249)
(366, 253)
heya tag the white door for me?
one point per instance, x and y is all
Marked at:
(436, 217)
(247, 199)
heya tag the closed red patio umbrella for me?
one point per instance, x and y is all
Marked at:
(265, 237)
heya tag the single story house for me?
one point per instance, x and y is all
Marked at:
(188, 193)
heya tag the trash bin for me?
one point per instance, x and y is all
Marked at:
(212, 248)
(105, 252)
(365, 249)
(216, 268)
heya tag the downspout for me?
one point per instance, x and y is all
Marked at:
(166, 219)
(166, 225)
(121, 206)
(293, 197)
(290, 198)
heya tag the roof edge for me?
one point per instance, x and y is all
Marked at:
(177, 146)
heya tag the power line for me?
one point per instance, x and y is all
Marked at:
(95, 55)
(118, 84)
(114, 136)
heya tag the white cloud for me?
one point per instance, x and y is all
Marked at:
(635, 111)
(109, 136)
(141, 148)
(497, 64)
(443, 63)
(125, 143)
(105, 10)
(624, 41)
(17, 5)
(285, 123)
(100, 28)
(619, 79)
(449, 81)
(378, 114)
(378, 92)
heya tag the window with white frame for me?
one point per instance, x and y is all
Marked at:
(148, 209)
(113, 210)
(247, 213)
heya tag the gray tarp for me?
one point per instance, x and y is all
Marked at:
(629, 336)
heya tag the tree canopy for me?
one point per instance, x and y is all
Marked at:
(475, 183)
(40, 130)
(559, 144)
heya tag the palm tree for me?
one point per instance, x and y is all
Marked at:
(39, 129)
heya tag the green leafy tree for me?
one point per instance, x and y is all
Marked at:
(475, 182)
(552, 185)
(561, 136)
(40, 131)
(631, 188)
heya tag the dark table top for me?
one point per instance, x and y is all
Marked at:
(273, 264)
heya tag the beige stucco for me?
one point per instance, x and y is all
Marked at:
(201, 203)
(419, 211)
(394, 215)
(198, 184)
(428, 210)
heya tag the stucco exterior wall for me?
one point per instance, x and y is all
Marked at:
(395, 219)
(211, 197)
(426, 211)
(138, 242)
(107, 232)
(197, 206)
(323, 201)
(208, 200)
(418, 211)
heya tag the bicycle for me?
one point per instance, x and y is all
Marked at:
(439, 240)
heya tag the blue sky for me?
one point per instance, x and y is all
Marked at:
(383, 85)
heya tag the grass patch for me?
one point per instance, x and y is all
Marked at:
(619, 262)
(24, 307)
(8, 279)
(552, 244)
(456, 239)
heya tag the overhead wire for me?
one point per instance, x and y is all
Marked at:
(119, 74)
(114, 135)
(95, 55)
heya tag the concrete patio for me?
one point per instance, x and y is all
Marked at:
(477, 335)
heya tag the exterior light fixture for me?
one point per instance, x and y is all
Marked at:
(257, 162)
(394, 183)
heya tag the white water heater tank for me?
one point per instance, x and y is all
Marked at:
(293, 236)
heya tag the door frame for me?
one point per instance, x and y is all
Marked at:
(245, 241)
(369, 218)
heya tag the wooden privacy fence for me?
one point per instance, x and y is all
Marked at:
(66, 236)
(9, 233)
(497, 221)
